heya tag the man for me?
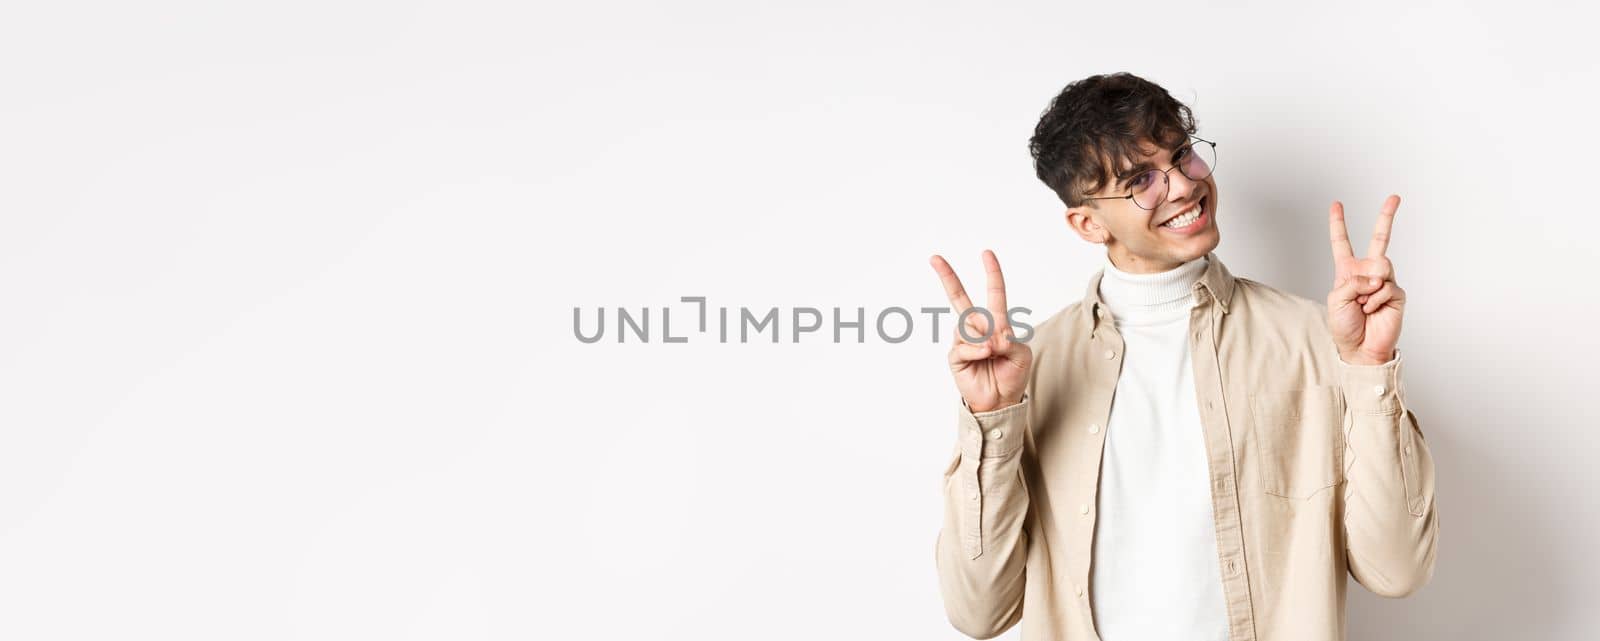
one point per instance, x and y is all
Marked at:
(1183, 454)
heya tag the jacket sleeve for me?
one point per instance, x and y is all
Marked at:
(1391, 527)
(981, 550)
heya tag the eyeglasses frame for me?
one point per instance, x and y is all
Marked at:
(1164, 174)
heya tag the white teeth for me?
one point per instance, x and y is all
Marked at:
(1185, 219)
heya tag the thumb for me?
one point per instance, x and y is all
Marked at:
(1002, 341)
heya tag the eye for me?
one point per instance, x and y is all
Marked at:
(1139, 180)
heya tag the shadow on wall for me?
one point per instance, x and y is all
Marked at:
(1503, 569)
(1497, 575)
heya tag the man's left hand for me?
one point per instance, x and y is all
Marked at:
(1365, 306)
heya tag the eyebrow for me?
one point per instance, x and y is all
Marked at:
(1123, 176)
(1142, 166)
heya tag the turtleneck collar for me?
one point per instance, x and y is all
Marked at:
(1150, 298)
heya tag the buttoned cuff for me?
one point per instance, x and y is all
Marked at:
(1373, 389)
(994, 433)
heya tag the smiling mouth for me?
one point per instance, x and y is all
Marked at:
(1189, 216)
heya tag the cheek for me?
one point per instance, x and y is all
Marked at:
(1131, 231)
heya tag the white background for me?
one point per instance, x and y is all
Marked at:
(287, 298)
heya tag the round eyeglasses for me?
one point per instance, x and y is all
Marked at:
(1196, 160)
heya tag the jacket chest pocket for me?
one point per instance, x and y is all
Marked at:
(1299, 440)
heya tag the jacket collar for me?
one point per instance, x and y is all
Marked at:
(1216, 279)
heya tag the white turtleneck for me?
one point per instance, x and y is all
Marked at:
(1155, 570)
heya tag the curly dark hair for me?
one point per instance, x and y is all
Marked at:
(1095, 123)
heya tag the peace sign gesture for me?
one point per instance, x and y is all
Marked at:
(1365, 306)
(990, 373)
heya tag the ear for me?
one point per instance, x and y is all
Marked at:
(1080, 220)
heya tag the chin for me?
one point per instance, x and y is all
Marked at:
(1198, 246)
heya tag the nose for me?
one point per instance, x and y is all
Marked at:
(1179, 186)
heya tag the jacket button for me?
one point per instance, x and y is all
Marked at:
(1083, 508)
(1094, 428)
(1110, 354)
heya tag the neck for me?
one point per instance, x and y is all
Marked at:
(1150, 296)
(1132, 264)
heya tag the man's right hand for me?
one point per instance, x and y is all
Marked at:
(990, 374)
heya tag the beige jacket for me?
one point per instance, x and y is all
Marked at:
(1318, 467)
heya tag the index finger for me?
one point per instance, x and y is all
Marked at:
(952, 284)
(1336, 232)
(997, 290)
(1380, 236)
